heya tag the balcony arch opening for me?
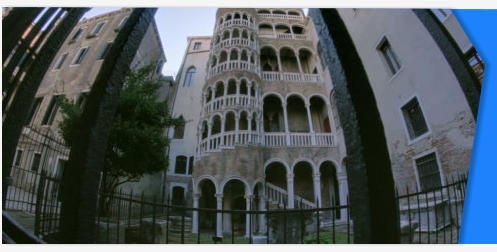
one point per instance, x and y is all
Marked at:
(276, 176)
(269, 59)
(218, 39)
(252, 36)
(207, 220)
(243, 124)
(265, 29)
(254, 122)
(228, 17)
(263, 12)
(288, 60)
(234, 199)
(319, 115)
(223, 57)
(226, 35)
(297, 29)
(252, 89)
(205, 129)
(221, 21)
(229, 124)
(231, 87)
(243, 87)
(209, 95)
(281, 28)
(219, 89)
(213, 61)
(293, 13)
(216, 125)
(244, 56)
(237, 16)
(306, 60)
(297, 114)
(303, 181)
(244, 34)
(330, 195)
(234, 54)
(244, 17)
(252, 59)
(273, 114)
(279, 12)
(236, 33)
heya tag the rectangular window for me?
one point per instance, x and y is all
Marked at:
(97, 28)
(77, 34)
(122, 23)
(17, 160)
(389, 56)
(34, 110)
(81, 102)
(52, 109)
(196, 46)
(180, 167)
(428, 172)
(80, 56)
(190, 165)
(35, 163)
(414, 118)
(104, 50)
(60, 61)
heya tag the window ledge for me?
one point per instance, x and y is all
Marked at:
(396, 74)
(417, 139)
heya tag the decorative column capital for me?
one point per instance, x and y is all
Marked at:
(196, 196)
(289, 177)
(219, 196)
(249, 197)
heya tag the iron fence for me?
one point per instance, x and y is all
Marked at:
(432, 216)
(33, 197)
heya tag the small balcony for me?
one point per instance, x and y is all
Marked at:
(236, 22)
(234, 42)
(283, 36)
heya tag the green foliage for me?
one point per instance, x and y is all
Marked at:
(137, 142)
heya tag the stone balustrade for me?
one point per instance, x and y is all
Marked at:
(290, 77)
(232, 66)
(282, 16)
(234, 42)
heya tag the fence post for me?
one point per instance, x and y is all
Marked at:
(39, 200)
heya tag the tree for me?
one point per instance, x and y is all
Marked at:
(137, 143)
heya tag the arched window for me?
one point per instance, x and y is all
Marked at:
(180, 167)
(189, 77)
(179, 130)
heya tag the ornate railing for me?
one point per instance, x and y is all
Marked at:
(232, 66)
(290, 77)
(229, 101)
(279, 196)
(235, 42)
(283, 36)
(237, 22)
(283, 16)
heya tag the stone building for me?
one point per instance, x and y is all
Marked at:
(262, 125)
(72, 73)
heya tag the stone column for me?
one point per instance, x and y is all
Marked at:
(343, 191)
(249, 91)
(223, 119)
(248, 200)
(237, 92)
(249, 119)
(280, 67)
(316, 179)
(311, 127)
(219, 216)
(287, 130)
(262, 217)
(196, 197)
(298, 63)
(209, 131)
(224, 94)
(237, 127)
(289, 185)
